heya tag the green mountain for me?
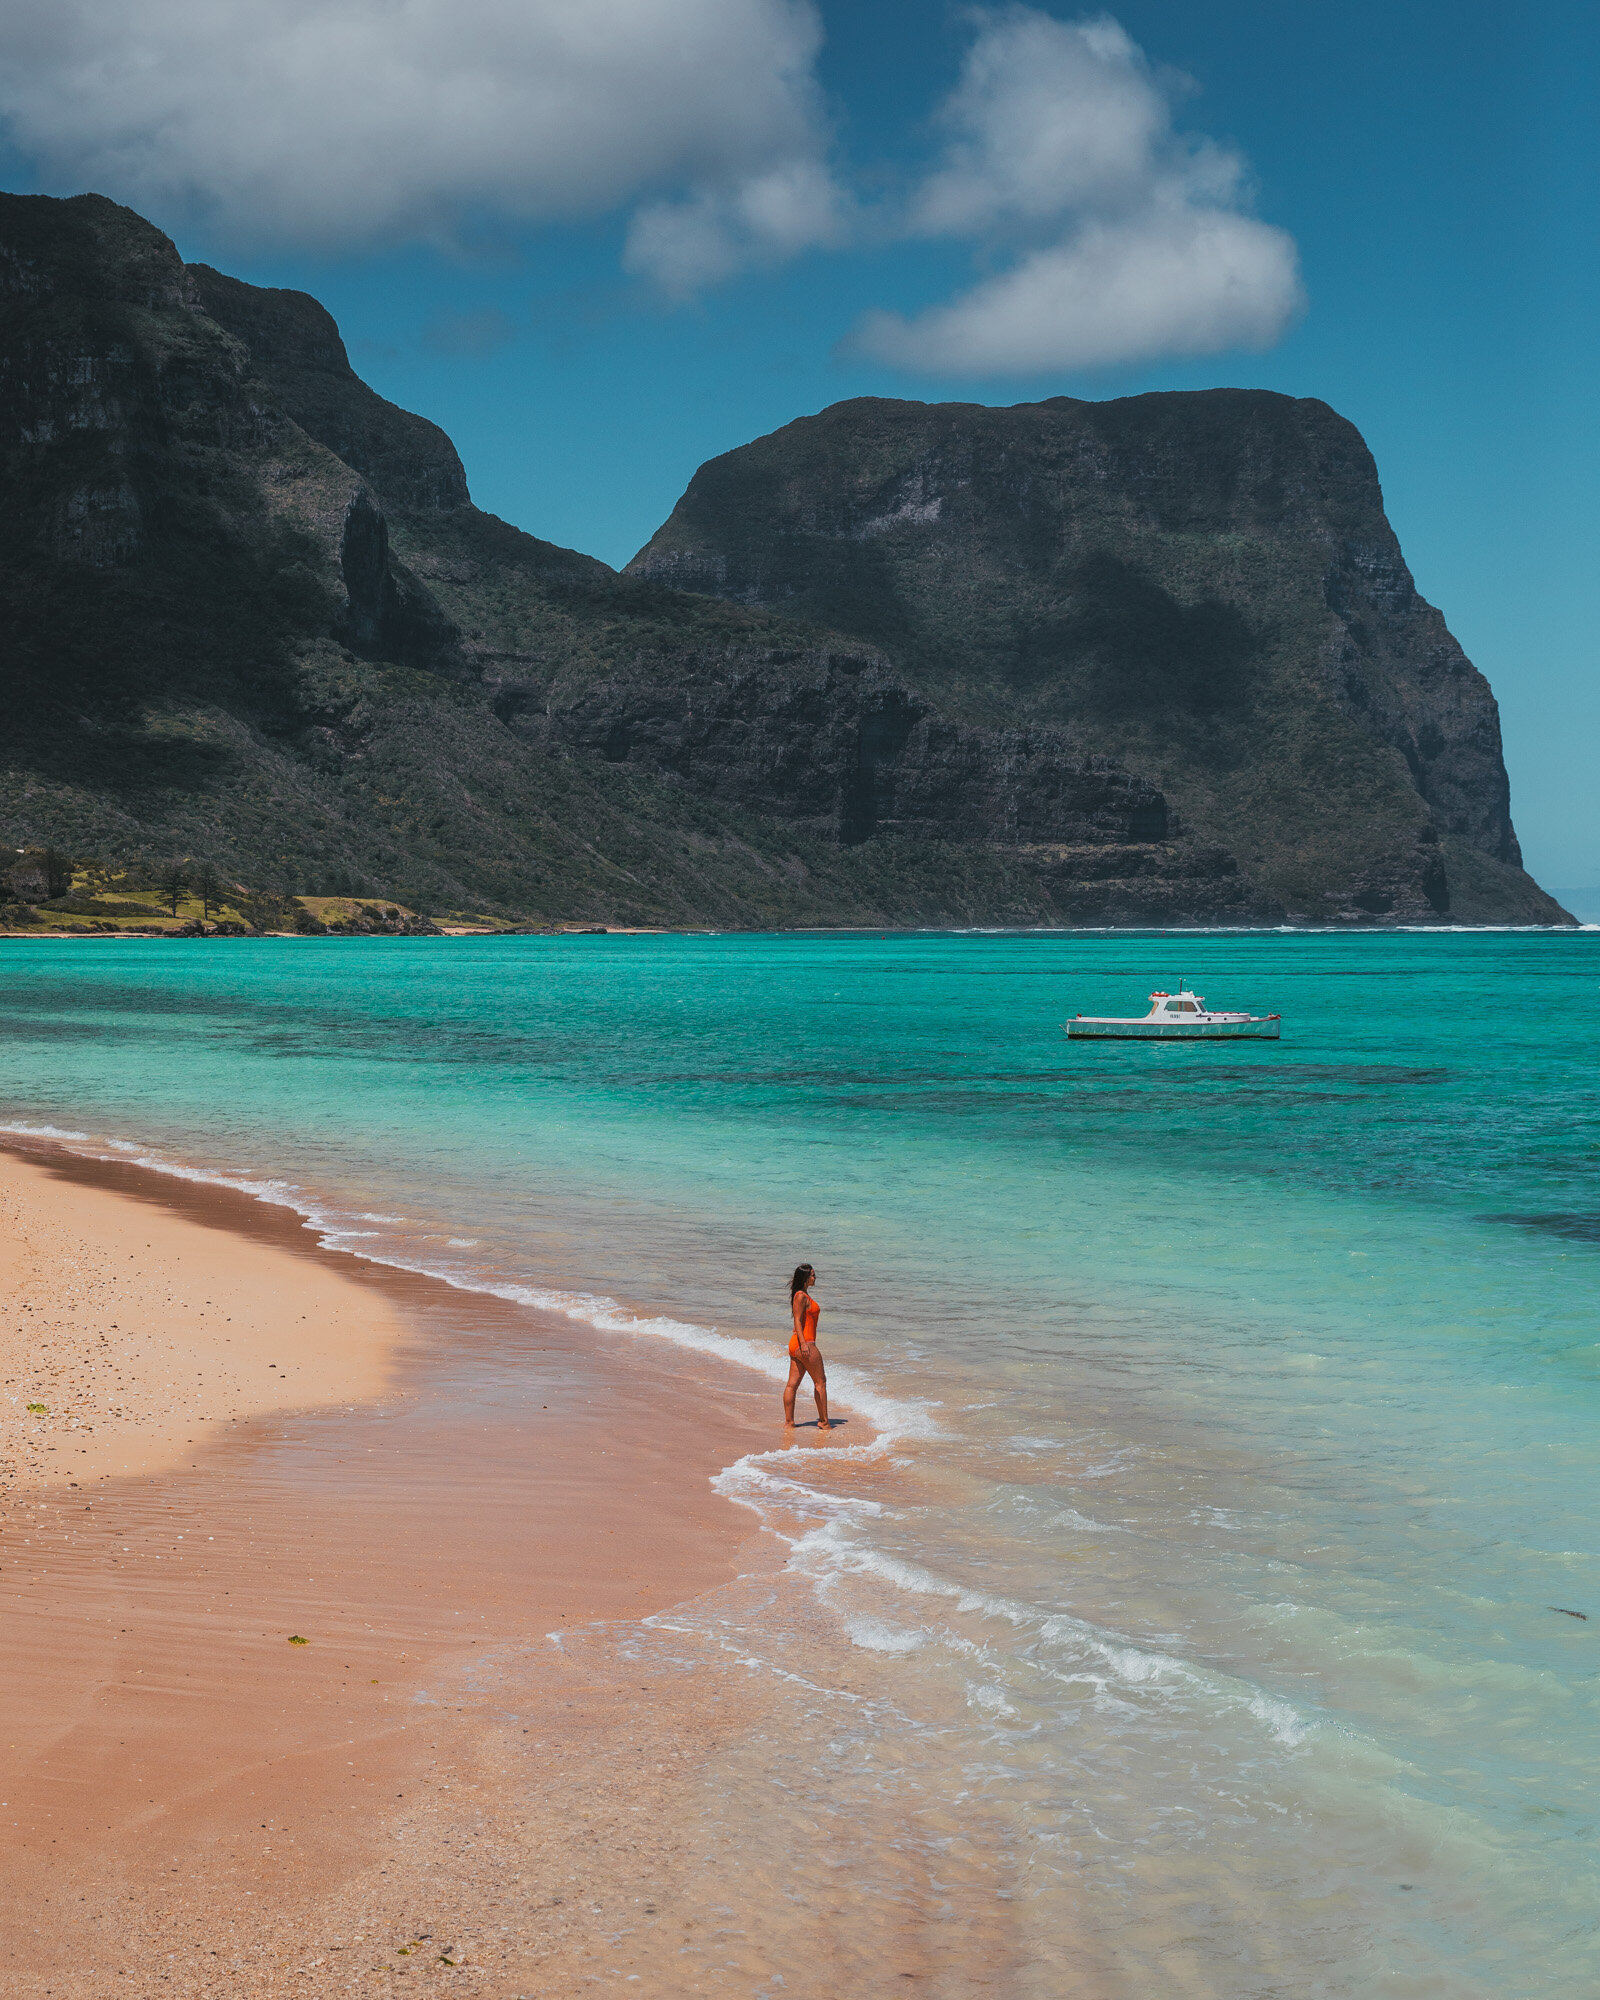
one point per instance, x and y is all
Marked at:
(253, 618)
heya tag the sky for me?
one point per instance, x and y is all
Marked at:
(601, 241)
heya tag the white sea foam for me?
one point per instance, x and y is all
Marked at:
(988, 1698)
(875, 1635)
(1104, 1468)
(748, 1479)
(831, 1552)
(1071, 1518)
(1287, 1727)
(129, 1153)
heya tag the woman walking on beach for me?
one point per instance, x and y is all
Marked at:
(805, 1357)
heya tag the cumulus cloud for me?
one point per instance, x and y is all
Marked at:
(1047, 116)
(1126, 240)
(335, 123)
(687, 244)
(1192, 283)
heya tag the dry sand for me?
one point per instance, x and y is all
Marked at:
(251, 1440)
(131, 1335)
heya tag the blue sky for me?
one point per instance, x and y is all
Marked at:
(708, 264)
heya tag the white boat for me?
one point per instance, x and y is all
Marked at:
(1176, 1017)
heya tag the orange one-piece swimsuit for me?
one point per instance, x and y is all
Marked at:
(813, 1314)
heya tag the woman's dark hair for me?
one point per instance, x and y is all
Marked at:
(803, 1274)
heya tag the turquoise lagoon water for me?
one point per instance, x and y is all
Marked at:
(1203, 1605)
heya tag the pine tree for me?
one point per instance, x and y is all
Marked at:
(209, 887)
(172, 882)
(57, 873)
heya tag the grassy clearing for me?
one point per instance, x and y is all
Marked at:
(102, 900)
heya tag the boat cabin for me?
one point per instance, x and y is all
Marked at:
(1163, 1004)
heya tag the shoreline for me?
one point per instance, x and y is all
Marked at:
(177, 934)
(442, 931)
(178, 1770)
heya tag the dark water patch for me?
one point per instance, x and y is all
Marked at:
(35, 1030)
(317, 1036)
(1041, 972)
(1574, 1226)
(951, 1100)
(1160, 1101)
(411, 1041)
(1286, 1069)
(826, 1077)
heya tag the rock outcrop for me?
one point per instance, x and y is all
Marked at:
(1203, 586)
(842, 748)
(299, 360)
(836, 745)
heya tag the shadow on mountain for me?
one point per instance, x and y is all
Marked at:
(1126, 644)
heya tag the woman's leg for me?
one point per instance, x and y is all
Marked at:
(811, 1357)
(795, 1378)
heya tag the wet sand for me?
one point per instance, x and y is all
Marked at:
(191, 1802)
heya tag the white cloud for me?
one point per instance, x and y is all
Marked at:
(687, 244)
(1127, 240)
(342, 122)
(1192, 283)
(1046, 116)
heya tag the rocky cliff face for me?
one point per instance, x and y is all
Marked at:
(125, 407)
(1202, 586)
(836, 745)
(299, 361)
(254, 618)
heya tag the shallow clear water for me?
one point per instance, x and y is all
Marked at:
(1238, 1403)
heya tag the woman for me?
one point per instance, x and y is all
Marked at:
(805, 1357)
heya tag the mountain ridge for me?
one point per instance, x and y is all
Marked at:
(255, 617)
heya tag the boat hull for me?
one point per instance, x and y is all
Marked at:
(1162, 1031)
